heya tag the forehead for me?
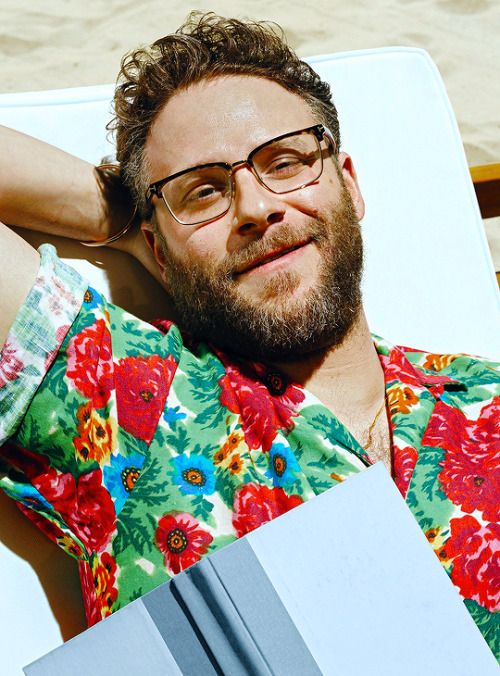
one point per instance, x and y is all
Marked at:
(221, 119)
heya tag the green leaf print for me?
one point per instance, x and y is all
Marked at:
(329, 426)
(220, 541)
(51, 437)
(130, 445)
(149, 490)
(202, 508)
(131, 532)
(207, 450)
(297, 448)
(203, 380)
(424, 522)
(226, 485)
(135, 328)
(408, 429)
(135, 594)
(261, 462)
(211, 416)
(173, 343)
(488, 623)
(318, 484)
(428, 470)
(55, 380)
(331, 429)
(475, 372)
(29, 433)
(425, 495)
(179, 440)
(471, 396)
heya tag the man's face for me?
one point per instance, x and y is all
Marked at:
(277, 276)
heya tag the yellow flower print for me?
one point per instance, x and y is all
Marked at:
(401, 399)
(96, 435)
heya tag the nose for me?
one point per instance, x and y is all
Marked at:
(254, 207)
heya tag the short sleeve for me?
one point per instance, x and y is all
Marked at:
(36, 335)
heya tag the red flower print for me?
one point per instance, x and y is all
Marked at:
(97, 580)
(470, 475)
(51, 530)
(397, 367)
(446, 427)
(475, 553)
(84, 505)
(163, 325)
(142, 386)
(181, 540)
(10, 365)
(472, 483)
(89, 596)
(255, 504)
(90, 364)
(61, 332)
(405, 460)
(262, 414)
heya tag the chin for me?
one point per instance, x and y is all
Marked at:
(282, 287)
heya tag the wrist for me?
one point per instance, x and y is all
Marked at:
(118, 214)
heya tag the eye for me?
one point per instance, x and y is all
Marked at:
(205, 192)
(286, 165)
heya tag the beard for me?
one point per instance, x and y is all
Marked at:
(275, 326)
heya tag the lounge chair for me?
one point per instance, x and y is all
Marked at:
(429, 279)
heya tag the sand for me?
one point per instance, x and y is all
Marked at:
(64, 43)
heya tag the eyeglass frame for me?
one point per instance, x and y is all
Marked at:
(320, 131)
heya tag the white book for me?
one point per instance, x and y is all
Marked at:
(344, 584)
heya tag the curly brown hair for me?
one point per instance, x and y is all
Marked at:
(205, 46)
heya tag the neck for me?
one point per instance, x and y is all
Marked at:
(348, 378)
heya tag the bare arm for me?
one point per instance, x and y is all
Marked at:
(18, 267)
(46, 189)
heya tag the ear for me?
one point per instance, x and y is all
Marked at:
(351, 181)
(153, 242)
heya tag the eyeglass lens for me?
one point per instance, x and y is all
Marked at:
(281, 166)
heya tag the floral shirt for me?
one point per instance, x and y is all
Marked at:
(139, 454)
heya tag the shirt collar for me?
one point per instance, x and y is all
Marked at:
(417, 372)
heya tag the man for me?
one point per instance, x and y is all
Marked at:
(138, 449)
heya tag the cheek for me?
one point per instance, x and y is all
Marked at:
(187, 243)
(313, 199)
(205, 243)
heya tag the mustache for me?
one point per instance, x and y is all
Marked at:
(285, 238)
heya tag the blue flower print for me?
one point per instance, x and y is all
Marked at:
(27, 495)
(92, 299)
(194, 474)
(172, 415)
(282, 465)
(121, 476)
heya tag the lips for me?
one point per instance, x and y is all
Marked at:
(270, 256)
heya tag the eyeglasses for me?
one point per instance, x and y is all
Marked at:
(289, 162)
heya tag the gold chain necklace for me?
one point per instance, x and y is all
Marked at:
(369, 439)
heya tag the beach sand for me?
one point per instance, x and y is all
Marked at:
(64, 43)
